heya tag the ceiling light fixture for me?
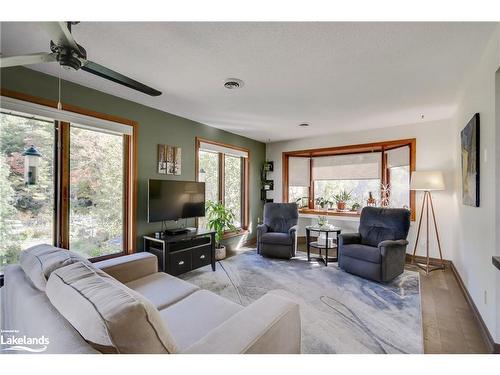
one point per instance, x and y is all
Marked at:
(233, 83)
(304, 125)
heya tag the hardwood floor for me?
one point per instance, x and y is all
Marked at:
(449, 324)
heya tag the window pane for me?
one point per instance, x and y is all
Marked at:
(26, 211)
(232, 186)
(400, 186)
(96, 192)
(359, 189)
(209, 174)
(299, 195)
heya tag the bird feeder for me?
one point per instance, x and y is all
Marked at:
(31, 165)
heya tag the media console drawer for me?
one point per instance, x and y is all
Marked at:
(201, 256)
(180, 262)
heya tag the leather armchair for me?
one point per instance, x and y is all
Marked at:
(277, 237)
(378, 251)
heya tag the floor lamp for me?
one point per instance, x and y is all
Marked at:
(427, 181)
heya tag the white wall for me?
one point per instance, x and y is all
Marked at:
(436, 144)
(469, 234)
(477, 227)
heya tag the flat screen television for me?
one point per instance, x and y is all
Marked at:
(173, 200)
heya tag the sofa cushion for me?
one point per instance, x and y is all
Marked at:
(193, 317)
(362, 252)
(110, 316)
(162, 289)
(39, 261)
(276, 238)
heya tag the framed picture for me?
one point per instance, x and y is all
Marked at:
(470, 162)
(169, 159)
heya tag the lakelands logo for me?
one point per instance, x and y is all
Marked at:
(10, 340)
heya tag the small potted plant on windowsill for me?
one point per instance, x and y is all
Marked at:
(323, 203)
(341, 199)
(219, 219)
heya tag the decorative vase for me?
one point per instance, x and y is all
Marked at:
(220, 253)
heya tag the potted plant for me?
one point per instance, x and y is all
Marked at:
(323, 202)
(219, 219)
(341, 199)
(356, 207)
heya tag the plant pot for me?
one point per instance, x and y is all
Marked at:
(220, 253)
(341, 206)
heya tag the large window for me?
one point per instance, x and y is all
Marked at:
(26, 210)
(359, 175)
(96, 192)
(224, 169)
(68, 184)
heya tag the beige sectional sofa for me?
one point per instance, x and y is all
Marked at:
(124, 305)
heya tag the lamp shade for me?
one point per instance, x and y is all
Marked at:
(427, 180)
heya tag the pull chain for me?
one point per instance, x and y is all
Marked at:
(59, 105)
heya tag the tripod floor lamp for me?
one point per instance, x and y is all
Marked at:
(427, 181)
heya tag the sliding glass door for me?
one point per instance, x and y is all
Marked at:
(96, 198)
(26, 184)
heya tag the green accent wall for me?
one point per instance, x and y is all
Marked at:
(155, 127)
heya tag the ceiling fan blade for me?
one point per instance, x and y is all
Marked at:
(104, 72)
(33, 58)
(60, 34)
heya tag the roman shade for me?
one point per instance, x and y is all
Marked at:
(211, 147)
(347, 167)
(298, 171)
(49, 113)
(398, 157)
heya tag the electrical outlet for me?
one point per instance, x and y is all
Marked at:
(485, 297)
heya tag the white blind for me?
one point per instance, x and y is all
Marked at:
(298, 171)
(398, 157)
(50, 113)
(347, 167)
(205, 146)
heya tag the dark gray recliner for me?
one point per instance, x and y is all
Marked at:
(277, 237)
(378, 251)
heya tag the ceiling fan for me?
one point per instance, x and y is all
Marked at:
(72, 56)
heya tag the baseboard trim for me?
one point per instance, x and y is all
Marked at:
(493, 347)
(423, 260)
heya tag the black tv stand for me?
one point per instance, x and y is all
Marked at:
(182, 252)
(175, 231)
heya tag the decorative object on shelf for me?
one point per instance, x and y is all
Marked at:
(31, 163)
(470, 162)
(169, 160)
(302, 202)
(385, 195)
(341, 199)
(322, 221)
(266, 185)
(427, 181)
(219, 219)
(371, 201)
(323, 203)
(268, 166)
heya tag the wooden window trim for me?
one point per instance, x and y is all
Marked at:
(245, 180)
(348, 150)
(62, 222)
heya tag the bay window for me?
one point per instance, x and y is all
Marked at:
(358, 175)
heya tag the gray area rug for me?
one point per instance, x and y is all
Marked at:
(340, 312)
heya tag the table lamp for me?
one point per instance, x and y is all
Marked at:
(427, 181)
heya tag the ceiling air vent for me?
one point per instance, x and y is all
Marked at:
(233, 83)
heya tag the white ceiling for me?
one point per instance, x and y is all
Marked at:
(336, 76)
